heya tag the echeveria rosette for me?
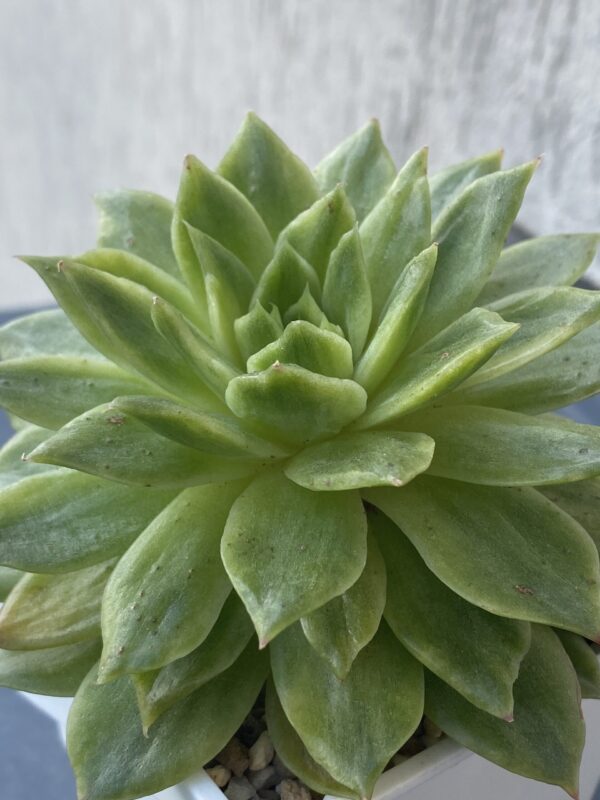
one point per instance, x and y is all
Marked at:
(294, 427)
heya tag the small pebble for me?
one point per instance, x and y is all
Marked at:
(240, 789)
(268, 794)
(431, 729)
(261, 752)
(265, 778)
(290, 789)
(219, 774)
(234, 756)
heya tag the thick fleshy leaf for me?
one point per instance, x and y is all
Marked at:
(340, 629)
(277, 183)
(113, 445)
(351, 727)
(62, 521)
(471, 233)
(304, 344)
(45, 333)
(362, 164)
(544, 261)
(299, 404)
(580, 499)
(51, 390)
(475, 652)
(54, 610)
(397, 229)
(545, 740)
(439, 365)
(167, 591)
(565, 375)
(285, 278)
(449, 183)
(9, 578)
(354, 460)
(527, 559)
(346, 292)
(213, 205)
(177, 680)
(316, 232)
(503, 448)
(585, 661)
(398, 319)
(290, 748)
(112, 758)
(311, 546)
(55, 671)
(13, 466)
(306, 308)
(139, 222)
(256, 329)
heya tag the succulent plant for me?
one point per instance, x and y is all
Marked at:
(293, 429)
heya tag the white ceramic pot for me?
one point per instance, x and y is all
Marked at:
(445, 771)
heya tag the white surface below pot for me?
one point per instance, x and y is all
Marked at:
(445, 771)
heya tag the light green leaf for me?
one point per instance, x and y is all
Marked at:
(55, 671)
(362, 164)
(278, 184)
(168, 589)
(439, 365)
(62, 521)
(352, 727)
(509, 551)
(471, 233)
(544, 261)
(177, 680)
(309, 546)
(398, 319)
(585, 662)
(9, 578)
(285, 278)
(316, 232)
(307, 309)
(545, 740)
(256, 329)
(477, 653)
(397, 229)
(45, 333)
(115, 446)
(112, 758)
(54, 610)
(346, 292)
(580, 499)
(449, 183)
(305, 345)
(354, 460)
(290, 748)
(502, 448)
(299, 404)
(13, 465)
(340, 629)
(213, 205)
(51, 390)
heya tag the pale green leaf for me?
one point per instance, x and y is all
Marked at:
(354, 460)
(285, 278)
(352, 727)
(256, 329)
(13, 465)
(545, 740)
(308, 547)
(45, 333)
(585, 661)
(509, 551)
(168, 589)
(580, 499)
(306, 308)
(9, 578)
(449, 183)
(55, 671)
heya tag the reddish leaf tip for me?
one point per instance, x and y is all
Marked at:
(509, 717)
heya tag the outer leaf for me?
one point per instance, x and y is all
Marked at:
(13, 466)
(45, 333)
(503, 448)
(449, 183)
(256, 329)
(585, 662)
(297, 537)
(55, 671)
(397, 229)
(517, 541)
(213, 205)
(114, 761)
(439, 365)
(168, 589)
(278, 184)
(544, 261)
(580, 499)
(54, 610)
(352, 727)
(362, 164)
(115, 446)
(545, 740)
(398, 319)
(471, 233)
(340, 629)
(9, 578)
(477, 653)
(293, 753)
(307, 346)
(62, 521)
(299, 404)
(139, 222)
(285, 278)
(354, 460)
